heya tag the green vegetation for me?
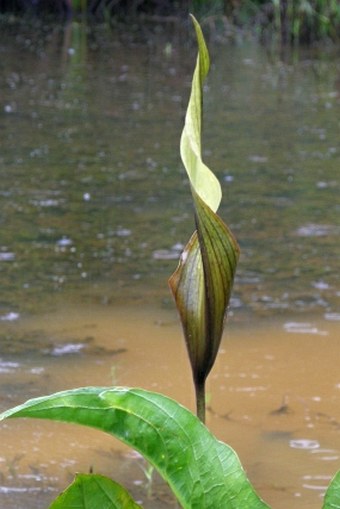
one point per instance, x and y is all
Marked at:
(306, 20)
(289, 21)
(89, 490)
(202, 472)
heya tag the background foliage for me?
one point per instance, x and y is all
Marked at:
(292, 21)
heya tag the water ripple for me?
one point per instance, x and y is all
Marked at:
(304, 443)
(332, 316)
(303, 328)
(6, 256)
(317, 230)
(9, 317)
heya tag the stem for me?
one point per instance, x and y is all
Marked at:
(200, 400)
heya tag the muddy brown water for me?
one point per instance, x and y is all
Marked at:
(273, 396)
(95, 209)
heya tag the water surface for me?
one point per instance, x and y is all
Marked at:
(95, 211)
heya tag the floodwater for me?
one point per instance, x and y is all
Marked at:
(95, 209)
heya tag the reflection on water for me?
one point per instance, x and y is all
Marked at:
(95, 211)
(92, 185)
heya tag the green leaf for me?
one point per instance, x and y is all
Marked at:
(89, 491)
(203, 280)
(332, 496)
(203, 472)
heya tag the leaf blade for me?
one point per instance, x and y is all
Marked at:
(332, 496)
(201, 471)
(91, 491)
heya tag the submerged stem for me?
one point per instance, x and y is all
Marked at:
(200, 400)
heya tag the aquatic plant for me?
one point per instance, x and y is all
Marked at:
(202, 472)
